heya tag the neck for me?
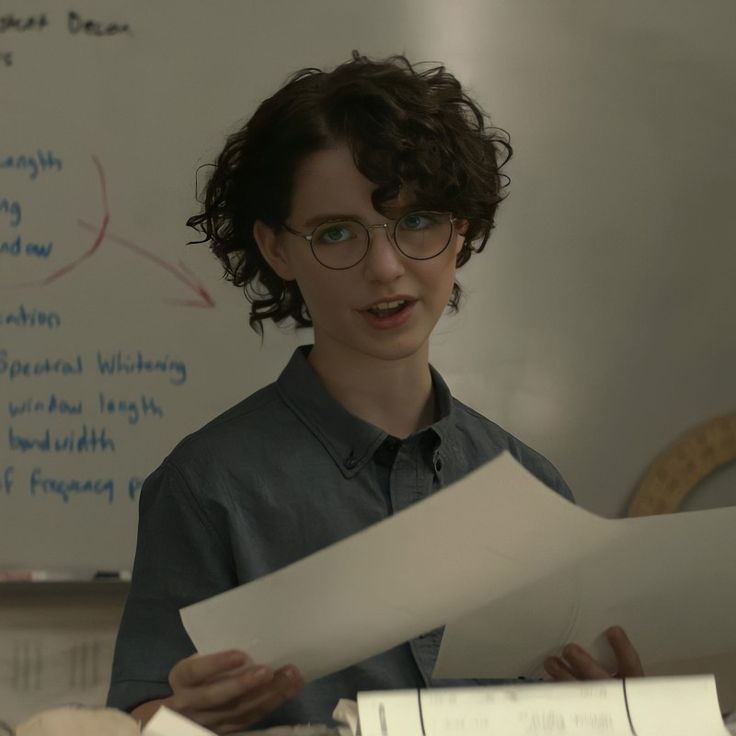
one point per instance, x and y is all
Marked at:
(395, 395)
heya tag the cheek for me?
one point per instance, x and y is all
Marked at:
(438, 280)
(322, 293)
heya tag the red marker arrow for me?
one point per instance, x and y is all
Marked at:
(182, 273)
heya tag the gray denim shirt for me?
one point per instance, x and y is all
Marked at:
(282, 474)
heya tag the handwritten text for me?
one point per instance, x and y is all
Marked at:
(11, 210)
(24, 317)
(39, 162)
(17, 247)
(86, 440)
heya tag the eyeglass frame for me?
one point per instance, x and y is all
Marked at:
(369, 228)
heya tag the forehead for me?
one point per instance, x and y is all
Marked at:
(330, 166)
(329, 179)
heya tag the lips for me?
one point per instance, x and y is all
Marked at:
(389, 305)
(389, 313)
(386, 308)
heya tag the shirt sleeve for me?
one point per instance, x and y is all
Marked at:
(182, 556)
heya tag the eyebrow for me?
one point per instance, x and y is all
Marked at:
(319, 219)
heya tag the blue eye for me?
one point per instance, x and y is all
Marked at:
(335, 232)
(330, 234)
(418, 221)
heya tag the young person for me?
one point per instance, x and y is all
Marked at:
(346, 203)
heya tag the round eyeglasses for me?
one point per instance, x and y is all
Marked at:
(341, 244)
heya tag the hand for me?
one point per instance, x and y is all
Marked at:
(227, 692)
(577, 664)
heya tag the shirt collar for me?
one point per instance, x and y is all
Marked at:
(445, 422)
(349, 440)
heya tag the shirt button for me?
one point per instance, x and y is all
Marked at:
(351, 461)
(437, 463)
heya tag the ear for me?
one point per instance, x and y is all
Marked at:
(461, 228)
(272, 250)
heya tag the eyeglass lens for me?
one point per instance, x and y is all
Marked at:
(419, 235)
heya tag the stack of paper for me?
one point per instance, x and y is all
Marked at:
(685, 706)
(645, 707)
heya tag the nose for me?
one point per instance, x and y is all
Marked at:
(383, 262)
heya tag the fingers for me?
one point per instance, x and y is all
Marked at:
(577, 663)
(199, 668)
(627, 658)
(254, 705)
(557, 669)
(226, 693)
(220, 693)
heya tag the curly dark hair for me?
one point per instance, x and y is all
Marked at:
(404, 128)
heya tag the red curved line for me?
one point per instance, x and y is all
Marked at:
(141, 251)
(100, 234)
(95, 245)
(70, 266)
(200, 286)
(103, 185)
(191, 280)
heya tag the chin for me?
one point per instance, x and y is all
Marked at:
(394, 349)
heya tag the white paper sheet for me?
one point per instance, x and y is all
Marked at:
(166, 722)
(513, 569)
(493, 532)
(646, 707)
(670, 581)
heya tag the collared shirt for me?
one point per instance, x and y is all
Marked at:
(282, 474)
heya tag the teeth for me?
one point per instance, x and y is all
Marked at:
(387, 305)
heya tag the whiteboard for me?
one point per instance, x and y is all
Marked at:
(597, 325)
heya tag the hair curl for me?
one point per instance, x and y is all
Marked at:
(404, 128)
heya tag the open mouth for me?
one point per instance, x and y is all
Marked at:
(387, 309)
(389, 314)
